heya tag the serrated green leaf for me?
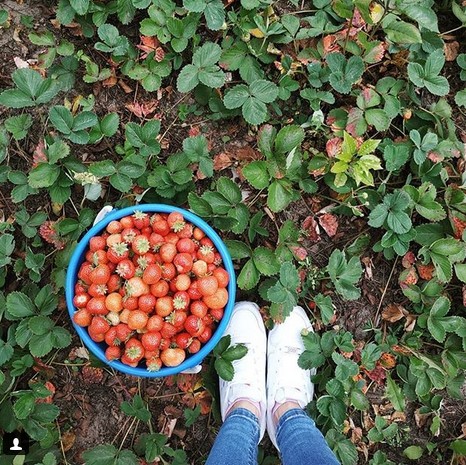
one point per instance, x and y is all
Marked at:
(249, 276)
(224, 369)
(265, 261)
(19, 306)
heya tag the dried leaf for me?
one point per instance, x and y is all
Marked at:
(393, 313)
(67, 439)
(45, 370)
(92, 375)
(451, 50)
(222, 161)
(378, 374)
(367, 267)
(245, 154)
(126, 88)
(144, 109)
(330, 223)
(311, 227)
(410, 323)
(387, 360)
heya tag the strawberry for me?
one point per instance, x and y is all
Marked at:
(140, 245)
(141, 220)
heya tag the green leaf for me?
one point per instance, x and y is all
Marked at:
(14, 98)
(395, 394)
(43, 175)
(399, 222)
(413, 452)
(199, 205)
(40, 345)
(288, 138)
(401, 32)
(80, 6)
(257, 174)
(265, 261)
(249, 276)
(447, 247)
(235, 352)
(236, 96)
(425, 16)
(214, 14)
(229, 190)
(107, 454)
(224, 369)
(254, 111)
(459, 447)
(238, 249)
(58, 150)
(460, 98)
(359, 400)
(109, 124)
(265, 91)
(377, 118)
(345, 275)
(84, 120)
(40, 324)
(61, 118)
(280, 195)
(187, 79)
(24, 406)
(325, 305)
(212, 76)
(460, 271)
(18, 125)
(7, 246)
(191, 415)
(437, 85)
(137, 408)
(19, 306)
(207, 55)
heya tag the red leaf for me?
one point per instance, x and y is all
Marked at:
(333, 147)
(330, 223)
(39, 154)
(49, 234)
(299, 252)
(408, 260)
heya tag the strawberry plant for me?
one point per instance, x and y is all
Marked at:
(349, 202)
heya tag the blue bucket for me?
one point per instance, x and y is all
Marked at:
(98, 349)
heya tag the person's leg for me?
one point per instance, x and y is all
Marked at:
(300, 442)
(243, 399)
(289, 390)
(236, 443)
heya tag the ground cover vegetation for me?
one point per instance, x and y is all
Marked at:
(324, 140)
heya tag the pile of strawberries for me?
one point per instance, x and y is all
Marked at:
(152, 288)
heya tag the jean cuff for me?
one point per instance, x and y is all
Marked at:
(289, 414)
(244, 413)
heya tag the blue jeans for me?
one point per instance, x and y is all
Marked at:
(298, 438)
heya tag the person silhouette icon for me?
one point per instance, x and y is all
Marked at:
(15, 445)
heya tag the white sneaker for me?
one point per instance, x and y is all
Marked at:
(247, 327)
(286, 381)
